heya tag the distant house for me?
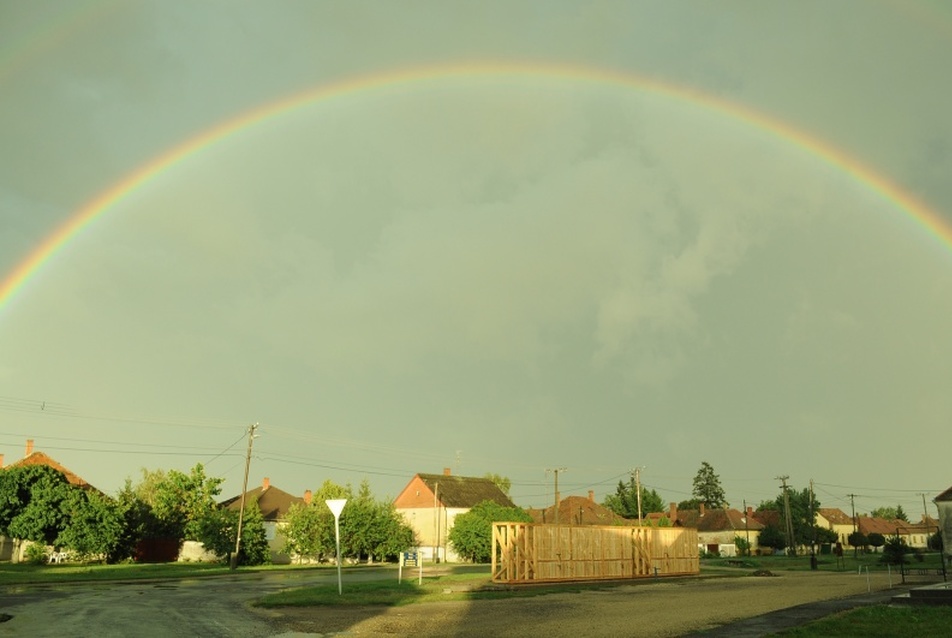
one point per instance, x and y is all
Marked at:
(838, 521)
(431, 502)
(717, 528)
(579, 510)
(274, 504)
(944, 502)
(13, 549)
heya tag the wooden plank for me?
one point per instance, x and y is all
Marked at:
(531, 552)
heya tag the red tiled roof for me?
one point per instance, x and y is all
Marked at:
(579, 510)
(835, 515)
(875, 525)
(944, 496)
(718, 520)
(39, 458)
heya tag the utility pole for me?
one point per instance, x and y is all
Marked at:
(556, 472)
(747, 526)
(786, 509)
(853, 508)
(637, 472)
(813, 563)
(925, 511)
(244, 488)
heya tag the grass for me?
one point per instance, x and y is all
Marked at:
(23, 573)
(879, 622)
(825, 563)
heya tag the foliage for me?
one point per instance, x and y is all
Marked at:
(895, 551)
(95, 524)
(372, 528)
(857, 539)
(690, 504)
(471, 535)
(707, 487)
(805, 531)
(935, 542)
(826, 535)
(772, 536)
(32, 501)
(253, 549)
(875, 539)
(624, 501)
(309, 531)
(181, 501)
(35, 554)
(890, 513)
(743, 545)
(502, 482)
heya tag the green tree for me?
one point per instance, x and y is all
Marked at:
(181, 500)
(94, 526)
(309, 531)
(805, 531)
(876, 540)
(772, 536)
(372, 528)
(857, 539)
(884, 512)
(707, 487)
(690, 504)
(742, 544)
(624, 501)
(471, 535)
(501, 482)
(901, 514)
(32, 503)
(895, 551)
(254, 549)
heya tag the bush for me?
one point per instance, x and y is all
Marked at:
(35, 554)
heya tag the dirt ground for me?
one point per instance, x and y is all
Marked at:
(651, 609)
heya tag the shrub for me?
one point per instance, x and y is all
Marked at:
(35, 554)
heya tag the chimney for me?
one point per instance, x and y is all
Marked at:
(673, 512)
(591, 495)
(750, 512)
(265, 484)
(29, 447)
(446, 471)
(701, 506)
(307, 497)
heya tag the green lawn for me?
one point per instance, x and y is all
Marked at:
(22, 573)
(824, 563)
(880, 622)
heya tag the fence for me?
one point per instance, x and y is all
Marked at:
(534, 552)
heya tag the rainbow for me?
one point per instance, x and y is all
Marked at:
(931, 221)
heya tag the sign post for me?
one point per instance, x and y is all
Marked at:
(336, 505)
(410, 559)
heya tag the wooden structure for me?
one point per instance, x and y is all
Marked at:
(534, 553)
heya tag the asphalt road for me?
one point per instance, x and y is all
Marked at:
(214, 606)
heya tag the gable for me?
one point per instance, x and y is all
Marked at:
(39, 458)
(274, 503)
(461, 492)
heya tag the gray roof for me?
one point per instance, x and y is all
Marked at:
(464, 491)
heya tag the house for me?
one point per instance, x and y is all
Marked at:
(838, 521)
(431, 502)
(12, 549)
(944, 502)
(916, 535)
(274, 504)
(717, 528)
(579, 510)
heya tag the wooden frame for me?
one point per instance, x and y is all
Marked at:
(534, 552)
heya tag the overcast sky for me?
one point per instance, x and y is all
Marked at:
(503, 272)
